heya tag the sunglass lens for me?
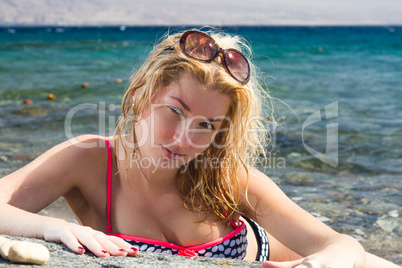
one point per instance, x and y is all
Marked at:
(200, 46)
(237, 65)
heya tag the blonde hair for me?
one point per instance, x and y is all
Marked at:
(206, 188)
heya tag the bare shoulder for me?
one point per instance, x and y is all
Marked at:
(254, 179)
(85, 152)
(76, 157)
(54, 173)
(263, 193)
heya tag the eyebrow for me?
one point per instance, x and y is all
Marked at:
(185, 106)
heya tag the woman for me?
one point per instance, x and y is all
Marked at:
(177, 177)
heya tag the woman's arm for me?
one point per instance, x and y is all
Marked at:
(372, 261)
(284, 257)
(35, 186)
(298, 230)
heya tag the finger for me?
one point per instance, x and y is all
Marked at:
(285, 264)
(92, 244)
(133, 251)
(121, 243)
(311, 263)
(108, 244)
(72, 243)
(306, 265)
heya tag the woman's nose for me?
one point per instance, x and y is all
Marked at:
(182, 138)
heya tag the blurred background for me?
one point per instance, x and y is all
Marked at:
(59, 55)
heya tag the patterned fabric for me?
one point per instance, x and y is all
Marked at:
(264, 252)
(262, 240)
(234, 248)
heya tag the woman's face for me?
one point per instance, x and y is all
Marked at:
(181, 123)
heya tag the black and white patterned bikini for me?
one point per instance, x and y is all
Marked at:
(232, 245)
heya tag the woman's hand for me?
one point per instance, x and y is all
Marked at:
(59, 172)
(372, 261)
(332, 256)
(309, 262)
(313, 261)
(76, 237)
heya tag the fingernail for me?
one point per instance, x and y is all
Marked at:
(104, 251)
(80, 248)
(122, 249)
(134, 249)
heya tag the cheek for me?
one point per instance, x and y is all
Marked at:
(142, 132)
(201, 141)
(163, 124)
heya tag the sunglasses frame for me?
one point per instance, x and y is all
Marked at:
(220, 51)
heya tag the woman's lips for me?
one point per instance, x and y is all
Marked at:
(169, 154)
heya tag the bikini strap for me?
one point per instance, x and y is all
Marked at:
(232, 222)
(108, 185)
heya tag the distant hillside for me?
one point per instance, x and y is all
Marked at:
(206, 12)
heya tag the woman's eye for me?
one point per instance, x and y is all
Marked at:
(176, 110)
(207, 125)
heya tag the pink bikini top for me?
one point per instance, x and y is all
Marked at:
(232, 245)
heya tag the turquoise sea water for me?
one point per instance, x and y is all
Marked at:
(354, 72)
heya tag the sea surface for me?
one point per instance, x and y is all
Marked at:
(336, 147)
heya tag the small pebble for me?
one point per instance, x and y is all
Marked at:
(393, 213)
(359, 232)
(297, 198)
(23, 252)
(294, 154)
(319, 217)
(5, 246)
(26, 252)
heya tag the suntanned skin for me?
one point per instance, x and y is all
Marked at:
(152, 207)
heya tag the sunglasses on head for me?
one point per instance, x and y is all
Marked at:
(200, 46)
